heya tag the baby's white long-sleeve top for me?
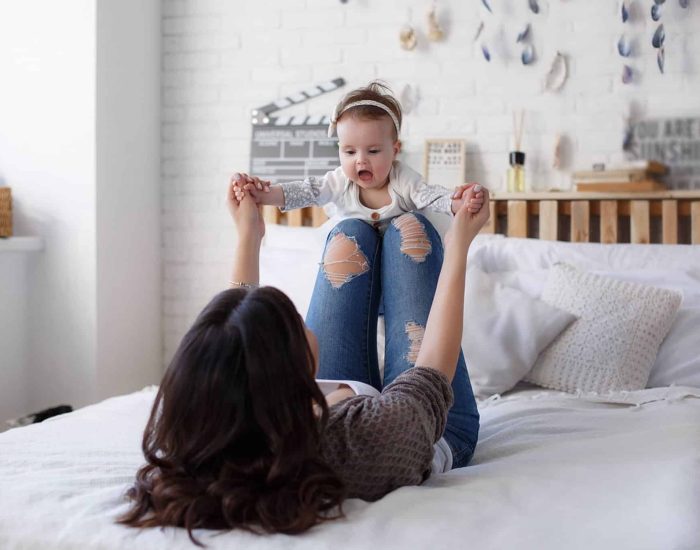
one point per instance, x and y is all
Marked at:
(407, 189)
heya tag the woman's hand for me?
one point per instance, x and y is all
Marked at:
(458, 197)
(245, 213)
(467, 222)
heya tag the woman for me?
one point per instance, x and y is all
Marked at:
(240, 435)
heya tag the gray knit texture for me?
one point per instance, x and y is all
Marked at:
(378, 444)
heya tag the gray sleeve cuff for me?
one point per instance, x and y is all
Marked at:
(300, 194)
(435, 197)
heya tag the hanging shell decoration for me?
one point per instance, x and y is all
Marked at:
(558, 73)
(659, 36)
(624, 46)
(684, 3)
(627, 74)
(655, 12)
(625, 11)
(534, 6)
(528, 55)
(408, 38)
(435, 32)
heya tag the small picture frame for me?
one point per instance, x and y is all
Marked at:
(444, 162)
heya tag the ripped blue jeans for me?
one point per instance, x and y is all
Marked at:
(399, 264)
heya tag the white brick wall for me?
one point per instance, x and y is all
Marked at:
(222, 58)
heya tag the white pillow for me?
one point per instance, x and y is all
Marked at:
(504, 332)
(678, 360)
(613, 343)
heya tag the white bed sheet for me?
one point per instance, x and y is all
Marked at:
(550, 471)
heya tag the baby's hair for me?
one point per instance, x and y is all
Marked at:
(375, 91)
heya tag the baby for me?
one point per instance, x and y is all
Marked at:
(370, 184)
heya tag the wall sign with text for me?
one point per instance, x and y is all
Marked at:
(673, 141)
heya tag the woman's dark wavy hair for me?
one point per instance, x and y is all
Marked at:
(233, 440)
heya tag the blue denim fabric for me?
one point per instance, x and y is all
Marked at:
(345, 321)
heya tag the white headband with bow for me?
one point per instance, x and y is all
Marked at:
(337, 113)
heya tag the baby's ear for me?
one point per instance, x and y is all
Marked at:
(397, 146)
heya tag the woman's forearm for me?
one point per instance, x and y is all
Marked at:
(246, 265)
(443, 331)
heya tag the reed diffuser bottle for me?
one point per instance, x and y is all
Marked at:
(515, 177)
(516, 172)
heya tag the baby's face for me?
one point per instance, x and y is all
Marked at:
(367, 150)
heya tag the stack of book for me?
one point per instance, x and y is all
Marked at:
(636, 176)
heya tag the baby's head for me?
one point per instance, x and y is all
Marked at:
(368, 121)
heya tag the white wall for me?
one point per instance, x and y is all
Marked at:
(47, 156)
(13, 333)
(220, 59)
(129, 337)
(79, 106)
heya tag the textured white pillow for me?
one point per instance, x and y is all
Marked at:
(504, 332)
(613, 343)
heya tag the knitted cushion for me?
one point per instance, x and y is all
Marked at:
(613, 343)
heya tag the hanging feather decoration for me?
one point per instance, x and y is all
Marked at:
(487, 5)
(624, 47)
(625, 11)
(557, 74)
(409, 98)
(659, 36)
(479, 30)
(558, 153)
(485, 51)
(627, 74)
(523, 34)
(534, 6)
(628, 138)
(661, 59)
(528, 55)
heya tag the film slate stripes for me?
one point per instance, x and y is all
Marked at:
(261, 115)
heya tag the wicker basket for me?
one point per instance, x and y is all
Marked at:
(5, 212)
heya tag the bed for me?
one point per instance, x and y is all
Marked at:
(553, 468)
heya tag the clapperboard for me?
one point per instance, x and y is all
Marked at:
(293, 147)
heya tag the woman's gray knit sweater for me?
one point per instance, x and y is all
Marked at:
(378, 444)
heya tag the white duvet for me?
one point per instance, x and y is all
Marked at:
(551, 471)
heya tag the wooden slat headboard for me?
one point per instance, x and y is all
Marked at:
(669, 217)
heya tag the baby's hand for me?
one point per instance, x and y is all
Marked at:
(252, 184)
(475, 199)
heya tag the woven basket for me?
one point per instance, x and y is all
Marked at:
(5, 212)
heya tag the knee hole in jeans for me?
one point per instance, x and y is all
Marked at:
(415, 333)
(414, 239)
(343, 260)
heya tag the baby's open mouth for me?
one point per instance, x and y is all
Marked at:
(365, 175)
